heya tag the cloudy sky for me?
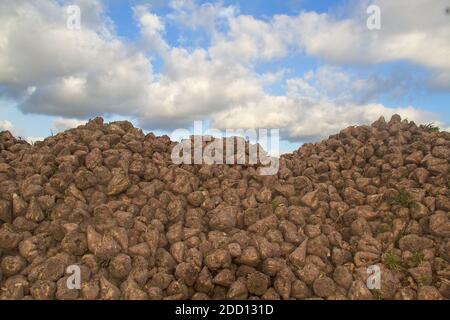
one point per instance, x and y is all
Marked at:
(307, 67)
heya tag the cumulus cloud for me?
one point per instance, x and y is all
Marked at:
(306, 120)
(337, 84)
(151, 28)
(206, 16)
(250, 40)
(70, 72)
(418, 33)
(32, 140)
(61, 124)
(316, 105)
(77, 74)
(6, 125)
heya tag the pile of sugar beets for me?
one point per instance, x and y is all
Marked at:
(108, 198)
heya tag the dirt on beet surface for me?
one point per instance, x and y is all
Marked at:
(108, 199)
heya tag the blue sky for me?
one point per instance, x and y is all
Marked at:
(306, 67)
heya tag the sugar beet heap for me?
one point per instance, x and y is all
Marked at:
(107, 198)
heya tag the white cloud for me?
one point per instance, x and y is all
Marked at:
(418, 32)
(248, 40)
(316, 105)
(206, 16)
(6, 125)
(32, 140)
(305, 120)
(337, 84)
(74, 72)
(151, 29)
(61, 124)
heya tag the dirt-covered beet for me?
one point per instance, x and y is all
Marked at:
(108, 199)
